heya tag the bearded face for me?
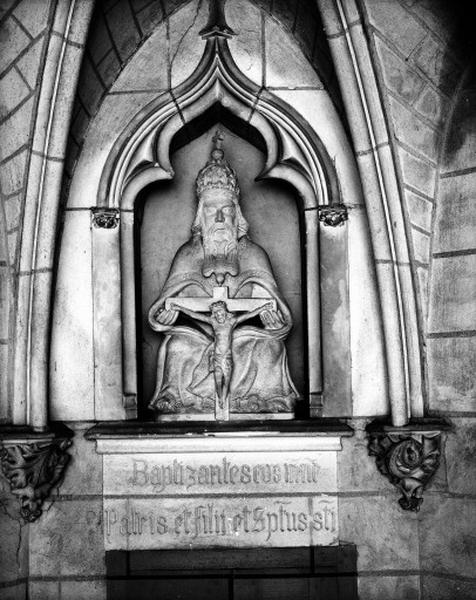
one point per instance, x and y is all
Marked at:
(219, 234)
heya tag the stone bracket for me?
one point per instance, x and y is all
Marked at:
(407, 456)
(333, 214)
(105, 218)
(33, 463)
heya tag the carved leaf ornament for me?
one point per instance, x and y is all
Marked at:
(32, 470)
(408, 463)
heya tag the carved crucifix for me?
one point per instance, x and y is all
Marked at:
(194, 377)
(223, 322)
(220, 294)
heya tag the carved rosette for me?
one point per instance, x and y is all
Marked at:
(408, 460)
(105, 218)
(333, 214)
(33, 469)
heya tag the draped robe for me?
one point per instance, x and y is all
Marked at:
(260, 381)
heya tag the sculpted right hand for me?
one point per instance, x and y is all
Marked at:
(166, 317)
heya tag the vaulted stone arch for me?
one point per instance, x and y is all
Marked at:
(355, 70)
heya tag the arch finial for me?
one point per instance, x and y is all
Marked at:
(217, 25)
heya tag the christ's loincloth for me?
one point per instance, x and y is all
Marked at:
(222, 362)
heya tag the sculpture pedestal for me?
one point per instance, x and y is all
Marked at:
(267, 487)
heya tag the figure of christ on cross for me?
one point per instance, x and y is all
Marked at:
(223, 322)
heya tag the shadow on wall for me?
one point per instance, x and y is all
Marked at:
(462, 46)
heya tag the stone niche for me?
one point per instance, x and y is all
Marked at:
(164, 216)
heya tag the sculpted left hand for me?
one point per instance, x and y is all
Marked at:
(272, 319)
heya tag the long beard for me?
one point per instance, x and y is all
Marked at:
(220, 252)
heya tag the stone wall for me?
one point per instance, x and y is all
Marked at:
(418, 67)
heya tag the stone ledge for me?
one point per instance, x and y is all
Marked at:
(11, 434)
(415, 425)
(240, 436)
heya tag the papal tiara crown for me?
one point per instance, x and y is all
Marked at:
(217, 173)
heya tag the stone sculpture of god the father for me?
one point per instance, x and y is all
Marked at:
(220, 261)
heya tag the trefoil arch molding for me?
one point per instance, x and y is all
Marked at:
(294, 152)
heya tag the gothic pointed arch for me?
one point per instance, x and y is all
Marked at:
(294, 153)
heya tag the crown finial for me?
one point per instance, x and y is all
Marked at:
(217, 25)
(217, 154)
(217, 173)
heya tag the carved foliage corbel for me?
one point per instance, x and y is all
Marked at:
(105, 218)
(333, 214)
(33, 469)
(408, 460)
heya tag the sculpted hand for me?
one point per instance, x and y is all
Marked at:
(166, 317)
(272, 319)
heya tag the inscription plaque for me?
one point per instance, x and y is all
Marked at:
(200, 522)
(240, 499)
(217, 473)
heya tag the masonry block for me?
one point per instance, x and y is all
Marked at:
(456, 214)
(385, 536)
(451, 368)
(90, 87)
(453, 291)
(460, 456)
(439, 587)
(170, 6)
(246, 46)
(109, 68)
(15, 131)
(12, 91)
(99, 39)
(395, 23)
(412, 131)
(399, 77)
(16, 591)
(83, 590)
(149, 17)
(68, 540)
(285, 65)
(149, 69)
(124, 32)
(44, 590)
(286, 12)
(305, 27)
(14, 41)
(447, 540)
(12, 173)
(84, 473)
(421, 246)
(460, 147)
(355, 468)
(33, 16)
(13, 538)
(418, 173)
(381, 585)
(420, 210)
(138, 5)
(432, 105)
(434, 60)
